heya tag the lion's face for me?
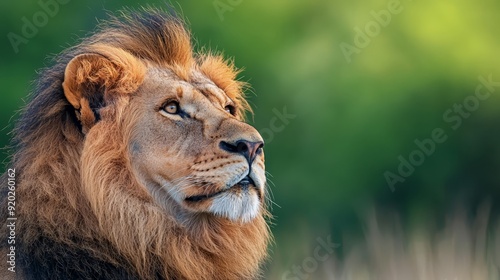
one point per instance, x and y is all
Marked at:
(183, 137)
(188, 147)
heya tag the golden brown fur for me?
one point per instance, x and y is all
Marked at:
(89, 152)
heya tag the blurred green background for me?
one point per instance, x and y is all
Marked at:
(334, 123)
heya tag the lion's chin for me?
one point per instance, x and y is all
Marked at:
(238, 207)
(239, 203)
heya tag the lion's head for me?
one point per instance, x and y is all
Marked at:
(135, 153)
(182, 117)
(182, 128)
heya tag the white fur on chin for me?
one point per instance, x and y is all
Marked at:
(242, 207)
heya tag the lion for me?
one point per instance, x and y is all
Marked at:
(133, 161)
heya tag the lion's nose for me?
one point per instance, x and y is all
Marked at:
(248, 149)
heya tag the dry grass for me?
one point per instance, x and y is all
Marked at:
(461, 248)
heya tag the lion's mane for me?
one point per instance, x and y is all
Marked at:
(116, 231)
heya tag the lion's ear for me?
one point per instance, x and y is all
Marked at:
(92, 80)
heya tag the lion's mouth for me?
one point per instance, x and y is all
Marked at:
(244, 184)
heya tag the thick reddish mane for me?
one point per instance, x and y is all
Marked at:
(152, 36)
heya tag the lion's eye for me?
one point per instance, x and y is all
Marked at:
(230, 109)
(171, 107)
